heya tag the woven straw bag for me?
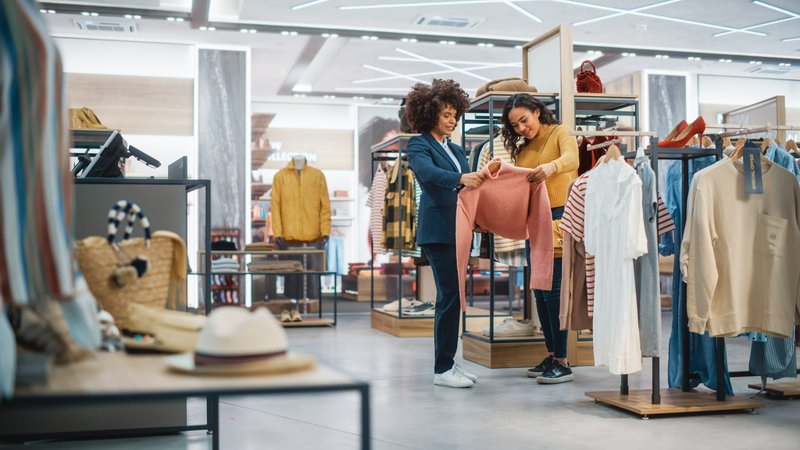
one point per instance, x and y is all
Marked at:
(99, 258)
(587, 81)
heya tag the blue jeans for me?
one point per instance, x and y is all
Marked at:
(548, 304)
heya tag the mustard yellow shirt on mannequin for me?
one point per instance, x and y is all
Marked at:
(553, 144)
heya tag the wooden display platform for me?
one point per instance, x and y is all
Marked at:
(503, 352)
(309, 323)
(780, 391)
(580, 349)
(418, 326)
(391, 323)
(673, 401)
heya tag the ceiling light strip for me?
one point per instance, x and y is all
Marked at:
(791, 39)
(395, 74)
(419, 4)
(446, 66)
(623, 13)
(655, 16)
(775, 8)
(434, 72)
(766, 24)
(449, 61)
(522, 11)
(307, 4)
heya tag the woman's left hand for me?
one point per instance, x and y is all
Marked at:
(540, 173)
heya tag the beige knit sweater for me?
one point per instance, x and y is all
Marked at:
(741, 254)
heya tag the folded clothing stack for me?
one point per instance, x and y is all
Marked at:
(258, 246)
(226, 265)
(275, 266)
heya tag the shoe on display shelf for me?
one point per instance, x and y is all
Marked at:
(473, 378)
(542, 367)
(557, 373)
(424, 309)
(511, 327)
(405, 302)
(286, 316)
(453, 378)
(295, 315)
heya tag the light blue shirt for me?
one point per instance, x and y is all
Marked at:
(451, 154)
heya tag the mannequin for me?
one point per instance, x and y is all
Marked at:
(299, 161)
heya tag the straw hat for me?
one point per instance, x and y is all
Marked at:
(236, 341)
(173, 331)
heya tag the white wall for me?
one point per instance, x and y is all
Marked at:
(745, 91)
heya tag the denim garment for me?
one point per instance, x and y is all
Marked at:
(645, 268)
(781, 157)
(335, 255)
(702, 353)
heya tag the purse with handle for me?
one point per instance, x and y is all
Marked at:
(587, 80)
(149, 271)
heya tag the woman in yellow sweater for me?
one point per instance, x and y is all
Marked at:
(537, 141)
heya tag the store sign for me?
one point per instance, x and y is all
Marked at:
(324, 149)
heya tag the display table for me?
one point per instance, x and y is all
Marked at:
(115, 377)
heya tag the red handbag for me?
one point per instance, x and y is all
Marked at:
(587, 81)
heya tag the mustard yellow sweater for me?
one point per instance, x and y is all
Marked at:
(553, 144)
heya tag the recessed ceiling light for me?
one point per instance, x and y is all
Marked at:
(366, 38)
(694, 58)
(784, 64)
(94, 14)
(443, 42)
(47, 11)
(628, 55)
(755, 62)
(293, 33)
(129, 16)
(170, 19)
(252, 31)
(243, 30)
(725, 60)
(179, 19)
(326, 35)
(212, 28)
(408, 40)
(203, 28)
(137, 17)
(518, 47)
(84, 13)
(284, 33)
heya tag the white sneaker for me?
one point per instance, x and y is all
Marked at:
(473, 378)
(452, 378)
(405, 304)
(512, 327)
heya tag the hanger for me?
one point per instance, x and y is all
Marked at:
(605, 144)
(737, 152)
(612, 153)
(765, 144)
(791, 146)
(494, 166)
(778, 140)
(708, 143)
(726, 142)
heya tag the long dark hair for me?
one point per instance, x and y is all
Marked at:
(510, 137)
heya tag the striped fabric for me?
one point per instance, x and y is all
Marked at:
(375, 203)
(35, 184)
(573, 221)
(118, 212)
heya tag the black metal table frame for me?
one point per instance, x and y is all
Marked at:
(212, 408)
(318, 273)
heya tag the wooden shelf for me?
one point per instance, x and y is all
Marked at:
(785, 390)
(259, 189)
(673, 401)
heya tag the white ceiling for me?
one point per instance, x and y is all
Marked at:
(388, 66)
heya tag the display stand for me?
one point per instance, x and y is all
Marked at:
(398, 323)
(674, 401)
(318, 321)
(492, 351)
(779, 391)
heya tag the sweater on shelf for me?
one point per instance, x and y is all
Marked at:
(553, 144)
(507, 204)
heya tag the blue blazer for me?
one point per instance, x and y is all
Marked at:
(439, 179)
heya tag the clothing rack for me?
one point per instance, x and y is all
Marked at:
(679, 401)
(389, 150)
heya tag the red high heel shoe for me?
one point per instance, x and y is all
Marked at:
(671, 135)
(696, 128)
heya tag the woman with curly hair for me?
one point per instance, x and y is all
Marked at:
(441, 169)
(537, 141)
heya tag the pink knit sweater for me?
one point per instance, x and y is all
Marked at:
(508, 205)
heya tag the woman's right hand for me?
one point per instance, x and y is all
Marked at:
(472, 180)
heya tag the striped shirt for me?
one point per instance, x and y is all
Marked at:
(573, 222)
(375, 203)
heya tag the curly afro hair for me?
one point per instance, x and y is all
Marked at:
(425, 102)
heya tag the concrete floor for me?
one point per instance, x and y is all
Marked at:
(505, 410)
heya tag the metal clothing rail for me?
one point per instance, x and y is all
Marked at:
(614, 133)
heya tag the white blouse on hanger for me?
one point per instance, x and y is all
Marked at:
(615, 235)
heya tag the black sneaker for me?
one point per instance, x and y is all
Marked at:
(557, 373)
(541, 368)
